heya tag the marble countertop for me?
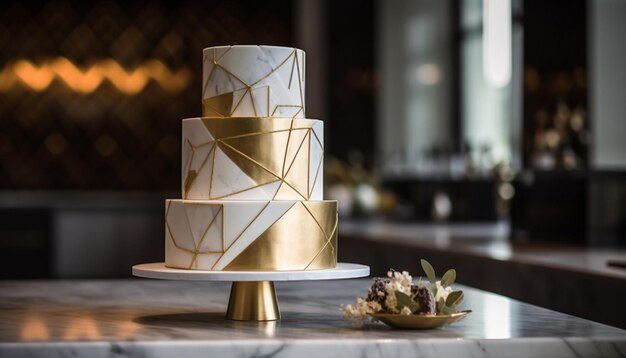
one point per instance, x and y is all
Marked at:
(557, 276)
(150, 318)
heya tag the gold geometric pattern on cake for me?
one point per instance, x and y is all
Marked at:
(216, 220)
(303, 237)
(267, 151)
(249, 93)
(279, 247)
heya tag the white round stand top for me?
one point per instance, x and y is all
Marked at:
(159, 271)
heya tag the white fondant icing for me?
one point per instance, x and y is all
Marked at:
(245, 214)
(242, 103)
(281, 69)
(271, 189)
(316, 173)
(174, 256)
(176, 221)
(285, 111)
(204, 171)
(249, 63)
(262, 97)
(186, 150)
(199, 218)
(216, 230)
(220, 82)
(228, 178)
(196, 154)
(197, 134)
(262, 192)
(201, 157)
(207, 260)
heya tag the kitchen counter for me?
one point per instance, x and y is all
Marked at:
(565, 278)
(491, 241)
(145, 318)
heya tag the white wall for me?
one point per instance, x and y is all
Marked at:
(607, 57)
(414, 54)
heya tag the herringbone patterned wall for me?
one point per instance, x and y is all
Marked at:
(92, 93)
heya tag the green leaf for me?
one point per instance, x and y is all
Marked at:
(429, 270)
(454, 298)
(405, 301)
(448, 278)
(448, 310)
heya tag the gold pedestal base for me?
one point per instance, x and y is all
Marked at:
(253, 301)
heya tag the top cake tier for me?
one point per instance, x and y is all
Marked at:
(253, 81)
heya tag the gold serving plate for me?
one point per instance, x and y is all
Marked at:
(417, 321)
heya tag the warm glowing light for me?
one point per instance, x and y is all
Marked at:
(125, 329)
(37, 78)
(35, 330)
(428, 74)
(497, 42)
(105, 145)
(84, 81)
(82, 328)
(55, 143)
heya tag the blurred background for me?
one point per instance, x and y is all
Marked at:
(483, 135)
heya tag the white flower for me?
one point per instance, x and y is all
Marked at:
(358, 313)
(403, 279)
(399, 282)
(374, 307)
(442, 292)
(391, 303)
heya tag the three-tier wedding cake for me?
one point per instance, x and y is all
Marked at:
(252, 170)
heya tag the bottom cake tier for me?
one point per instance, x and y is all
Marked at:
(251, 235)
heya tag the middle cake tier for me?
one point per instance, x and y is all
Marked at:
(251, 235)
(252, 159)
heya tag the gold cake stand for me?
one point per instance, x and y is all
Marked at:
(252, 294)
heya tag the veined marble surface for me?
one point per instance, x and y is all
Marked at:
(145, 318)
